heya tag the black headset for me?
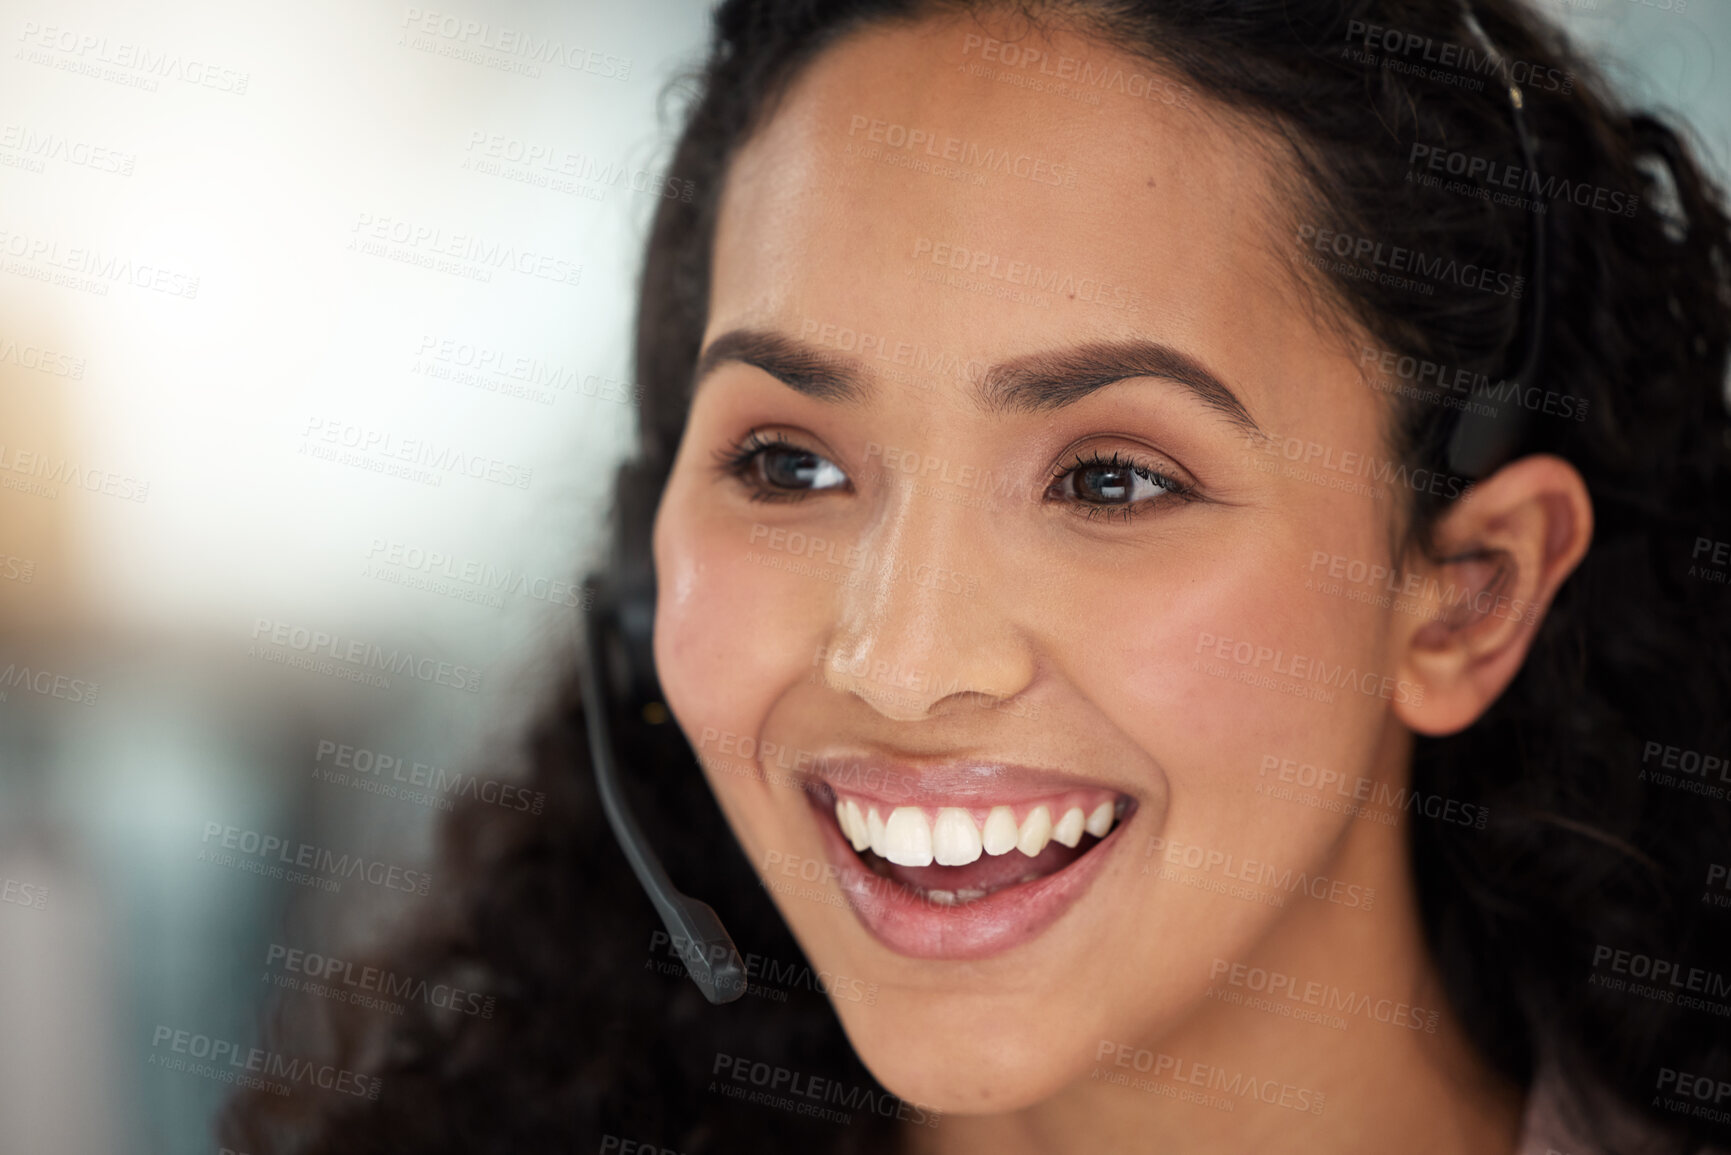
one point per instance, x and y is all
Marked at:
(1486, 437)
(618, 665)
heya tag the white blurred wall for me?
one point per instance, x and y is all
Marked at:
(234, 237)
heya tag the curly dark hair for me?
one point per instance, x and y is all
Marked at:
(595, 1035)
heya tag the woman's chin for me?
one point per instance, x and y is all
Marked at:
(957, 1073)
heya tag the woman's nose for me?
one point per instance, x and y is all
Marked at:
(930, 618)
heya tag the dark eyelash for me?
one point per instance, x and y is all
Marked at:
(738, 461)
(1175, 490)
(734, 459)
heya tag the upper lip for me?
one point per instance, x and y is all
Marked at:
(932, 782)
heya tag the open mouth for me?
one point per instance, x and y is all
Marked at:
(959, 854)
(967, 880)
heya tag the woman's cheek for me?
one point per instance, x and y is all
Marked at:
(728, 638)
(1210, 719)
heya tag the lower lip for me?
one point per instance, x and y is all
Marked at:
(1002, 920)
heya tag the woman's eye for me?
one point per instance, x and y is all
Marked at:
(773, 468)
(779, 466)
(786, 467)
(1114, 486)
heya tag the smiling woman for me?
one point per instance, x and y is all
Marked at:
(1172, 601)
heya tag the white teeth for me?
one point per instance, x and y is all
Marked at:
(955, 838)
(1000, 832)
(1036, 831)
(855, 827)
(1069, 828)
(908, 837)
(912, 836)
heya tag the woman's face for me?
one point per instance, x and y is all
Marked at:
(986, 515)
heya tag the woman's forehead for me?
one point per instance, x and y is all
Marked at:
(895, 191)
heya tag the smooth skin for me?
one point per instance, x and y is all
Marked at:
(1027, 618)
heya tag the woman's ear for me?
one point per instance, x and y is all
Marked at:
(1504, 548)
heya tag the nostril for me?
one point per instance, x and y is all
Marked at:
(896, 707)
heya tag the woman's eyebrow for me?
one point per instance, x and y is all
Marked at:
(802, 367)
(1038, 382)
(1031, 383)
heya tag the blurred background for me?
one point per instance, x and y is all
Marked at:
(314, 370)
